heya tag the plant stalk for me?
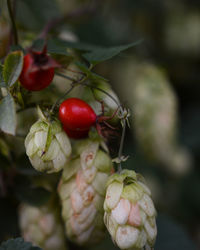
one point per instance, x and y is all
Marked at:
(14, 28)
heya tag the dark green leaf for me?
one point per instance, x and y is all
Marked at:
(18, 244)
(13, 67)
(92, 75)
(17, 48)
(103, 54)
(62, 46)
(38, 44)
(8, 119)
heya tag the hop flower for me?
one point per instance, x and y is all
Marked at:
(47, 146)
(82, 192)
(155, 119)
(42, 226)
(129, 211)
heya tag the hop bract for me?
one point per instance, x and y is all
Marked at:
(42, 227)
(129, 211)
(47, 146)
(82, 192)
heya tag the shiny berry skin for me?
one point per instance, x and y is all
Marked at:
(76, 134)
(33, 77)
(76, 115)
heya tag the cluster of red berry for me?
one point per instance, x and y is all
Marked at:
(76, 116)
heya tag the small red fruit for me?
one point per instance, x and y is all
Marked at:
(76, 116)
(76, 134)
(38, 70)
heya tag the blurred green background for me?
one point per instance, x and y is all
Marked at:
(167, 56)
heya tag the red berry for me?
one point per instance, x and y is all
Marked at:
(36, 74)
(76, 115)
(76, 134)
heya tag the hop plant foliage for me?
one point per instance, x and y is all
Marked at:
(129, 211)
(82, 192)
(42, 226)
(47, 146)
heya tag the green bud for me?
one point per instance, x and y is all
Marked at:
(129, 211)
(82, 192)
(42, 227)
(47, 146)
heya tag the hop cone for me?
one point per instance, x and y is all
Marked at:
(129, 211)
(82, 192)
(47, 146)
(42, 226)
(154, 105)
(155, 119)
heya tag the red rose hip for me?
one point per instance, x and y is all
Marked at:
(38, 71)
(76, 134)
(76, 115)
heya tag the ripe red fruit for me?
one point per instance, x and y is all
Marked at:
(38, 71)
(76, 134)
(76, 116)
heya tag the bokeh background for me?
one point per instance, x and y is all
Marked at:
(159, 80)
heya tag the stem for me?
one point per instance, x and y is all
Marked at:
(121, 144)
(103, 91)
(62, 97)
(67, 77)
(82, 11)
(13, 22)
(73, 85)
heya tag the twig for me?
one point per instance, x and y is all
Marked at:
(67, 77)
(13, 22)
(82, 11)
(73, 84)
(121, 144)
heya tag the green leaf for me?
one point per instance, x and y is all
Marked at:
(103, 54)
(61, 46)
(17, 244)
(38, 45)
(13, 67)
(8, 120)
(90, 74)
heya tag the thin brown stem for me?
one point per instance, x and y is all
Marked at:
(121, 144)
(14, 28)
(82, 11)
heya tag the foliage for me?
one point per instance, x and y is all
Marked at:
(105, 47)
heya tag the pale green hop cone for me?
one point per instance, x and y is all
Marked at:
(82, 192)
(47, 146)
(129, 211)
(42, 226)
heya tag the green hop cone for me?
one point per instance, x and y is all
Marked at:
(129, 211)
(82, 192)
(155, 119)
(42, 226)
(47, 146)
